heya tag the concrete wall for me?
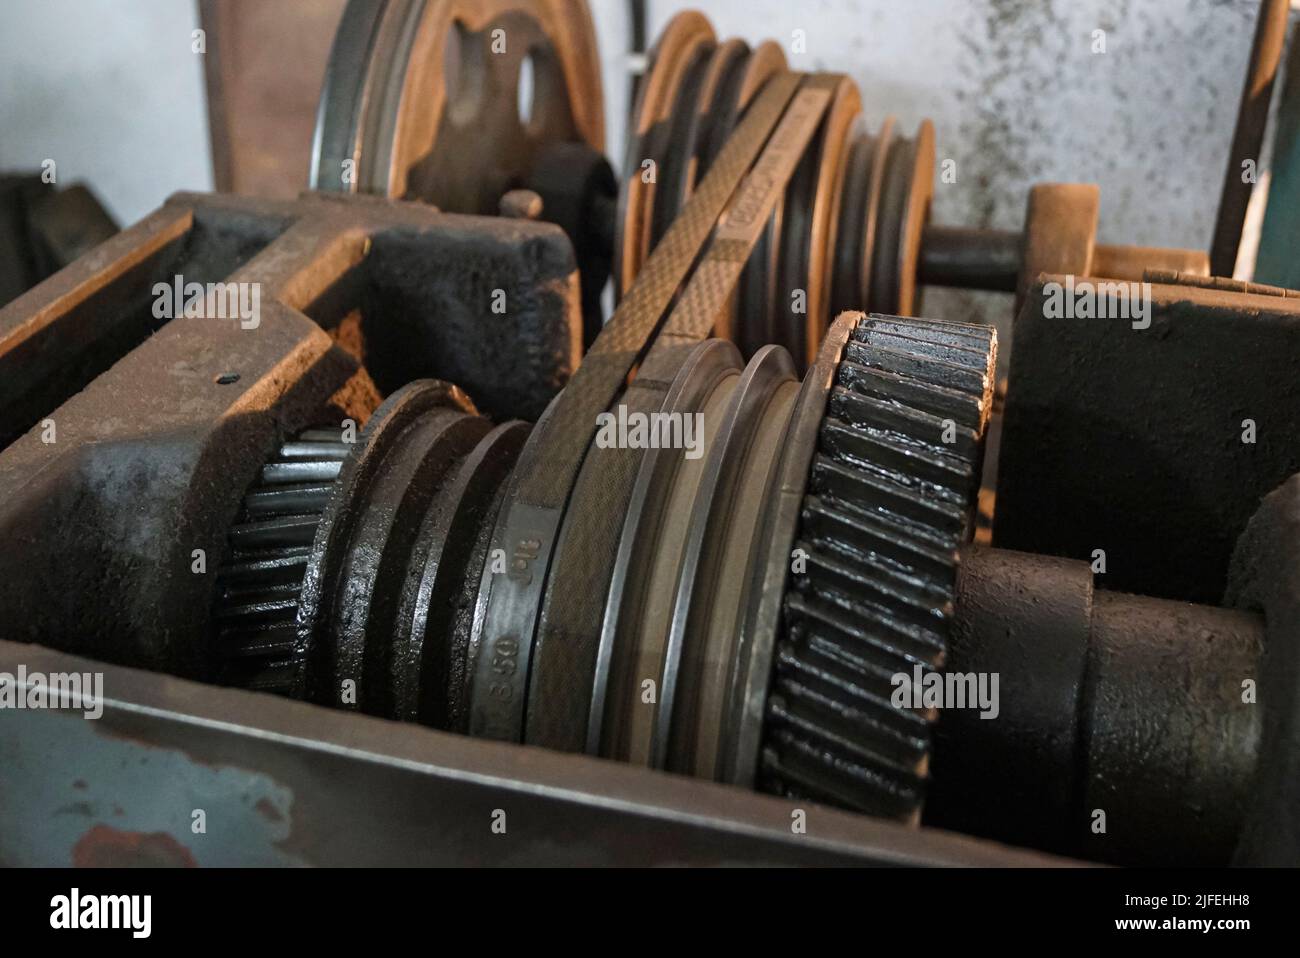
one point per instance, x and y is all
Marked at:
(112, 91)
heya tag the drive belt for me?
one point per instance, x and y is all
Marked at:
(740, 189)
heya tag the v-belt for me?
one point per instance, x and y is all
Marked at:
(528, 528)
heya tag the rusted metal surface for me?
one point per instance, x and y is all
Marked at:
(263, 67)
(107, 847)
(285, 783)
(1060, 233)
(1226, 284)
(450, 101)
(141, 434)
(1133, 262)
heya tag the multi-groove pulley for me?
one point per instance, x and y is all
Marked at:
(843, 497)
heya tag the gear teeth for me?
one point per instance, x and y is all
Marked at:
(889, 501)
(269, 546)
(860, 487)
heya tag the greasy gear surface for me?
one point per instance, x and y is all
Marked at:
(889, 501)
(269, 546)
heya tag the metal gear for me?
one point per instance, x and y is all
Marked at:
(868, 470)
(887, 506)
(401, 517)
(270, 545)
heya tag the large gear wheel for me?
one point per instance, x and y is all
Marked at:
(887, 506)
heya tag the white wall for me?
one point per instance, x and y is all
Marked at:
(108, 89)
(112, 92)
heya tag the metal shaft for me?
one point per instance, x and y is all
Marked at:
(1121, 726)
(970, 258)
(992, 259)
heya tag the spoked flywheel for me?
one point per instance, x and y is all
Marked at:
(452, 101)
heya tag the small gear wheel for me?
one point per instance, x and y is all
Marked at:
(260, 583)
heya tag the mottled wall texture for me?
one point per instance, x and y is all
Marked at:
(1013, 87)
(1017, 96)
